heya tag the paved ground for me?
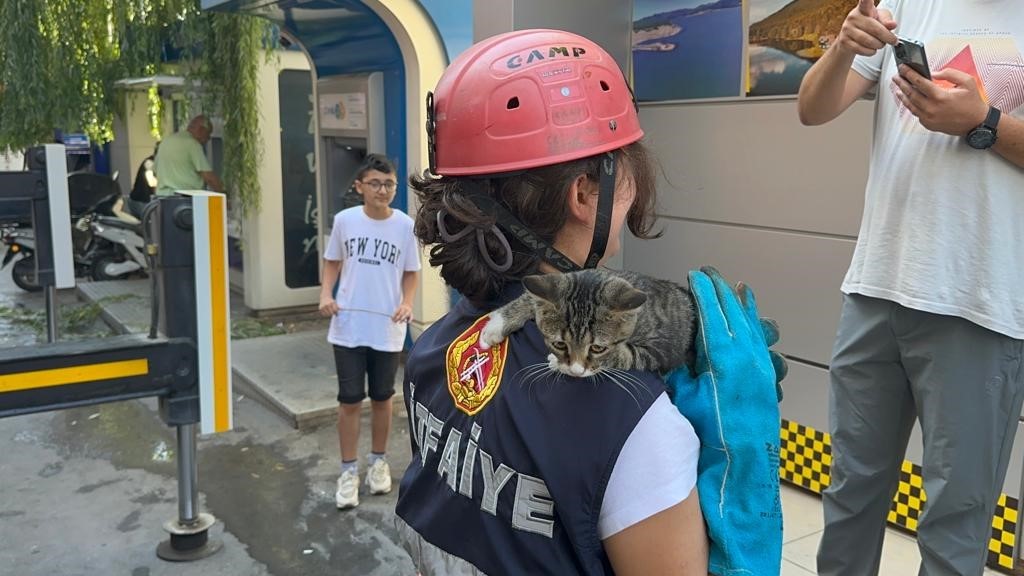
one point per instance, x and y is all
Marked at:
(86, 491)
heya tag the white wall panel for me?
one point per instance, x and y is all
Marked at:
(795, 276)
(753, 163)
(805, 395)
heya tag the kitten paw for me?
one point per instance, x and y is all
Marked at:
(493, 332)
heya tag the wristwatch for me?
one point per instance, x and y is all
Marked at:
(984, 136)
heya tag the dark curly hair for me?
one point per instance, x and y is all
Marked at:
(536, 197)
(378, 162)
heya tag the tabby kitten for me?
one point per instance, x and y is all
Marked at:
(594, 320)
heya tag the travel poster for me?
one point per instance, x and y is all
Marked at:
(785, 38)
(687, 49)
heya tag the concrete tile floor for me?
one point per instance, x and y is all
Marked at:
(802, 531)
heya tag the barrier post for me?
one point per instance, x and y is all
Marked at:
(187, 367)
(193, 277)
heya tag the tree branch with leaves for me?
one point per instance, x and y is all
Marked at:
(60, 60)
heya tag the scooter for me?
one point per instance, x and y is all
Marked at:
(124, 254)
(93, 196)
(115, 244)
(21, 243)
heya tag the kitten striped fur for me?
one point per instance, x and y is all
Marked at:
(602, 320)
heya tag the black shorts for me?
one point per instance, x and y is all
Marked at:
(361, 368)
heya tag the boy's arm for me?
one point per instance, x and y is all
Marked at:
(410, 280)
(332, 269)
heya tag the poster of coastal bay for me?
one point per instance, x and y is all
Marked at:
(785, 38)
(687, 49)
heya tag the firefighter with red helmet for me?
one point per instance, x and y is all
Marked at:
(536, 165)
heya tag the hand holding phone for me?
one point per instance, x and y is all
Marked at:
(911, 53)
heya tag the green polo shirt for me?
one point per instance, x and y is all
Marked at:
(179, 161)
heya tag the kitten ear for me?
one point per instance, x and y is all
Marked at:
(629, 299)
(543, 286)
(622, 296)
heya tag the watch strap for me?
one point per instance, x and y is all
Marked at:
(992, 119)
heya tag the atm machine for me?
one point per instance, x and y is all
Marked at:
(351, 114)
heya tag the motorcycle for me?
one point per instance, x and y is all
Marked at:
(99, 246)
(124, 252)
(21, 243)
(116, 242)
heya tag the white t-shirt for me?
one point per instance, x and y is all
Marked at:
(374, 256)
(658, 461)
(943, 225)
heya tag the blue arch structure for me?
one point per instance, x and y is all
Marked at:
(343, 37)
(347, 37)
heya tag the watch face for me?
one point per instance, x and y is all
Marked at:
(980, 138)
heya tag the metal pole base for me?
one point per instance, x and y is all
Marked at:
(189, 542)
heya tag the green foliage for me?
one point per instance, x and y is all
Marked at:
(59, 60)
(227, 70)
(76, 320)
(242, 328)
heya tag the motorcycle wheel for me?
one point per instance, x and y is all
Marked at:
(24, 274)
(99, 267)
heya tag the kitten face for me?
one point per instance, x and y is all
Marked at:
(585, 322)
(582, 351)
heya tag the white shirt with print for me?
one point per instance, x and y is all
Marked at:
(374, 256)
(943, 225)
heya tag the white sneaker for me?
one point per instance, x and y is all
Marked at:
(378, 477)
(347, 495)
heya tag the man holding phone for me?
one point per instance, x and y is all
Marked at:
(933, 307)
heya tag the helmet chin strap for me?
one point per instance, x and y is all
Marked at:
(478, 194)
(603, 219)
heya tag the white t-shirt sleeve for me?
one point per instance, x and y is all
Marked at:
(335, 250)
(656, 469)
(870, 67)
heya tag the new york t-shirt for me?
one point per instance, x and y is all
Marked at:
(374, 256)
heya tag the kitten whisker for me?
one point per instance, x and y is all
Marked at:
(624, 374)
(614, 376)
(529, 375)
(533, 373)
(529, 369)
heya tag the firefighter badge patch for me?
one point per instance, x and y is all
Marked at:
(474, 374)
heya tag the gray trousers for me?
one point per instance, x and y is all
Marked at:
(891, 364)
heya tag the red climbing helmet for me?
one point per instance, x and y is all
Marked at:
(525, 99)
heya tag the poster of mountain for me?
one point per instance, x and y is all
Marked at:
(687, 49)
(785, 38)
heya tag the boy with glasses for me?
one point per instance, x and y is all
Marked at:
(373, 257)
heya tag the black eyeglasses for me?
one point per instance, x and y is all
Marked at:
(375, 185)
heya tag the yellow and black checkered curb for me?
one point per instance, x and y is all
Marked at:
(805, 460)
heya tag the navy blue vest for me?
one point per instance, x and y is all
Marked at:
(509, 461)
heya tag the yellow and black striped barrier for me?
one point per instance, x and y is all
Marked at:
(805, 460)
(185, 364)
(68, 374)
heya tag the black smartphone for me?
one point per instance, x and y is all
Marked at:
(911, 53)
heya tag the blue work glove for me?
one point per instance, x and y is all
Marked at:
(732, 403)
